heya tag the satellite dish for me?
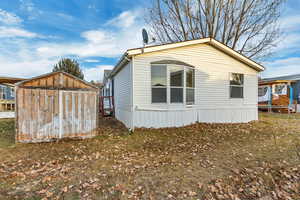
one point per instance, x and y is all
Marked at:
(145, 36)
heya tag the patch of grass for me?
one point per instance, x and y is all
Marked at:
(7, 132)
(279, 115)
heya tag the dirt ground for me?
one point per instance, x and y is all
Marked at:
(258, 160)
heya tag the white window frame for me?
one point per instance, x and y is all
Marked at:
(194, 88)
(242, 86)
(168, 86)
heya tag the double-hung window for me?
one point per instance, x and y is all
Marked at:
(236, 85)
(176, 84)
(159, 83)
(172, 83)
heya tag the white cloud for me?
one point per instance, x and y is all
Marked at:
(11, 26)
(288, 47)
(125, 19)
(27, 68)
(9, 18)
(109, 41)
(25, 58)
(91, 60)
(11, 32)
(96, 73)
(282, 67)
(290, 23)
(65, 16)
(28, 7)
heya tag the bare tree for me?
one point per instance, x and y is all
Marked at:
(248, 26)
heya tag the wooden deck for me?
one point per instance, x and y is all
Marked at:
(7, 105)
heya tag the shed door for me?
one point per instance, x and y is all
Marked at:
(78, 113)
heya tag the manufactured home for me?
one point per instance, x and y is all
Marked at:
(7, 96)
(280, 93)
(178, 84)
(107, 89)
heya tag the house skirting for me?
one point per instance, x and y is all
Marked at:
(177, 118)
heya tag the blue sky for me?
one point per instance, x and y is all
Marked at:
(35, 34)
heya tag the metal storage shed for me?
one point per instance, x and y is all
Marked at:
(55, 105)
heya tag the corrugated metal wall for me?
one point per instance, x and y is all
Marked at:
(45, 114)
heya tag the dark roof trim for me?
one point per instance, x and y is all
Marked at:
(294, 77)
(174, 62)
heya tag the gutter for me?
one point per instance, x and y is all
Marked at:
(119, 65)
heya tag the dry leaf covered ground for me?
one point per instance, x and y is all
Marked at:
(258, 160)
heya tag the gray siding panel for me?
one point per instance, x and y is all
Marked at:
(123, 95)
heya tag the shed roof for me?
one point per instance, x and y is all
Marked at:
(57, 80)
(210, 41)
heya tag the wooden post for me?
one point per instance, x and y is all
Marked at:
(16, 115)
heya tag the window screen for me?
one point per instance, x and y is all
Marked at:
(159, 83)
(190, 96)
(176, 83)
(159, 95)
(190, 78)
(176, 95)
(159, 76)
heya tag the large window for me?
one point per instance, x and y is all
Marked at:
(190, 86)
(176, 84)
(236, 85)
(159, 83)
(179, 89)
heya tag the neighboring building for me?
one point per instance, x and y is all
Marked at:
(280, 91)
(7, 91)
(182, 83)
(7, 96)
(107, 89)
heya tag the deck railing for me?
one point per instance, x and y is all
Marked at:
(7, 105)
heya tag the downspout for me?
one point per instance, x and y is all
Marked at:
(132, 91)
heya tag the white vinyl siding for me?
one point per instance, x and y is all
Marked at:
(213, 68)
(123, 95)
(212, 88)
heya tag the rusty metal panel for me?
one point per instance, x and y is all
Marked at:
(44, 115)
